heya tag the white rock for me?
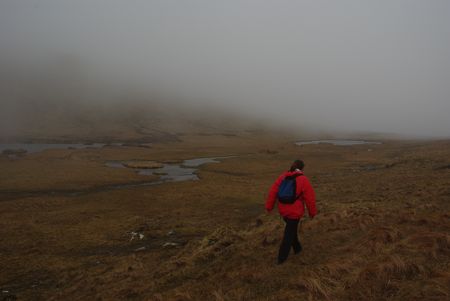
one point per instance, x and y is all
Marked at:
(170, 244)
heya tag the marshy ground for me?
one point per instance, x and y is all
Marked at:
(382, 232)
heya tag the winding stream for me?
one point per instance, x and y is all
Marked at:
(168, 173)
(184, 171)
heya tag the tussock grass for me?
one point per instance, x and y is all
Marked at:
(373, 239)
(317, 287)
(377, 239)
(392, 266)
(433, 243)
(339, 268)
(371, 247)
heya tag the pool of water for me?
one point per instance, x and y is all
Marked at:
(115, 164)
(184, 171)
(39, 147)
(171, 172)
(337, 142)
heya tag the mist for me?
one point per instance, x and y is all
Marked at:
(363, 66)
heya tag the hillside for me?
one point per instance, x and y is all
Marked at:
(120, 121)
(382, 232)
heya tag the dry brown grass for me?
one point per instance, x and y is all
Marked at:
(377, 239)
(317, 287)
(433, 243)
(374, 237)
(391, 267)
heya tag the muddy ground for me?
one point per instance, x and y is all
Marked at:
(382, 232)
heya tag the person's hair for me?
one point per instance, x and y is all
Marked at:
(297, 164)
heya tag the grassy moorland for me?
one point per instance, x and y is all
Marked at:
(382, 232)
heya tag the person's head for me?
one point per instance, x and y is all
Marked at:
(297, 164)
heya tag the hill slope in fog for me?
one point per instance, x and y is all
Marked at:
(146, 122)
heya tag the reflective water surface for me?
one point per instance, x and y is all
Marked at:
(172, 172)
(337, 142)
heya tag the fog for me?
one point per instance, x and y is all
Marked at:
(375, 66)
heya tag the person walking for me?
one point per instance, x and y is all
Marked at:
(293, 191)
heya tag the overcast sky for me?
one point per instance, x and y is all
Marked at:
(379, 65)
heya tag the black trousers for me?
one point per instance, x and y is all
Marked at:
(290, 239)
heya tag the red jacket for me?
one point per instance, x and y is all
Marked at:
(297, 209)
